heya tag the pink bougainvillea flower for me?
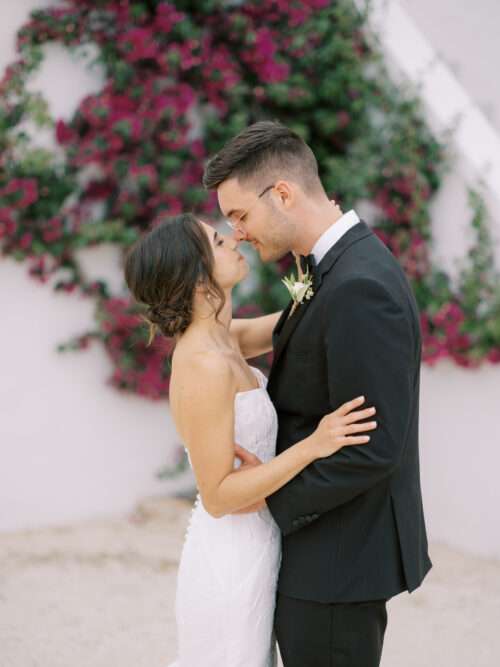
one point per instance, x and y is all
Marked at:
(317, 4)
(260, 56)
(26, 240)
(53, 229)
(98, 190)
(128, 127)
(64, 133)
(494, 355)
(167, 16)
(145, 175)
(449, 315)
(22, 192)
(298, 15)
(7, 223)
(122, 103)
(433, 350)
(139, 44)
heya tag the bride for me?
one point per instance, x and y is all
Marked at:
(184, 272)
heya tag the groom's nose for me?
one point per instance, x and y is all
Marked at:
(239, 235)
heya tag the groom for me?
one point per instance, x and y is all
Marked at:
(353, 530)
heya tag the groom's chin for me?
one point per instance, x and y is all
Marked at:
(268, 254)
(275, 257)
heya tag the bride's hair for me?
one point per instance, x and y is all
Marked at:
(163, 268)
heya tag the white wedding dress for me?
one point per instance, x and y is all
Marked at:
(228, 572)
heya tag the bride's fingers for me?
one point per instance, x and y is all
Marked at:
(241, 452)
(356, 440)
(350, 405)
(245, 455)
(358, 415)
(359, 428)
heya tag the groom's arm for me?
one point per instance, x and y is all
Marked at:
(254, 334)
(370, 352)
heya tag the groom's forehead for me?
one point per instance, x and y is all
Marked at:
(233, 197)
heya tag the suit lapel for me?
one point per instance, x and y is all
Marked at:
(355, 234)
(286, 326)
(279, 324)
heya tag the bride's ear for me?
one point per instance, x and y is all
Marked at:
(202, 291)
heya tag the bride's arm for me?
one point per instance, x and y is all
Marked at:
(254, 335)
(205, 420)
(205, 411)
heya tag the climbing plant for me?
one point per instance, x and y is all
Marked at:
(181, 78)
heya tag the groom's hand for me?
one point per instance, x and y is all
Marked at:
(248, 460)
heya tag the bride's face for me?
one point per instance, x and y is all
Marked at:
(230, 266)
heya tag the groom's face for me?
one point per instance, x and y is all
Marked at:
(264, 221)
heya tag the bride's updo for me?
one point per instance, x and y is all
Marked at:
(163, 268)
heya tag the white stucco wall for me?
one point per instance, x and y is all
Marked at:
(465, 35)
(419, 53)
(73, 447)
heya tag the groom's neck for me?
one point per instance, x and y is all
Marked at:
(315, 219)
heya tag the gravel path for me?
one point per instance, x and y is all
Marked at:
(100, 593)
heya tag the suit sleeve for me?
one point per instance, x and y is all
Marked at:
(370, 352)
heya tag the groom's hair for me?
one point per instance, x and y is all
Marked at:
(262, 152)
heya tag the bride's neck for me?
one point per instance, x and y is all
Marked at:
(205, 322)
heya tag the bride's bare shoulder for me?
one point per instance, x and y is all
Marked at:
(202, 372)
(201, 393)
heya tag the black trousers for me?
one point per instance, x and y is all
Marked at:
(340, 634)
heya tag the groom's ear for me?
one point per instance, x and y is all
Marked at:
(285, 191)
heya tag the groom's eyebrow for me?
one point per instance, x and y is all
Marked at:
(215, 236)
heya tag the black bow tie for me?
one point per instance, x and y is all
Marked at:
(308, 263)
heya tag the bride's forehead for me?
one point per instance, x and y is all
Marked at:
(208, 229)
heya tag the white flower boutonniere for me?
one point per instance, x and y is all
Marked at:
(300, 288)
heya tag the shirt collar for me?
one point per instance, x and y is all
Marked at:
(335, 232)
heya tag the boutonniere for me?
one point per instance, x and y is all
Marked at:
(300, 288)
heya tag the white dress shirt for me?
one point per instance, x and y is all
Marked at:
(335, 232)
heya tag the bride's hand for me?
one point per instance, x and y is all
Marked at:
(248, 460)
(339, 428)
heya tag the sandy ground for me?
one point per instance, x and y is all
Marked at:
(101, 594)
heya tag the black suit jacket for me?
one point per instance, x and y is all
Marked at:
(353, 523)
